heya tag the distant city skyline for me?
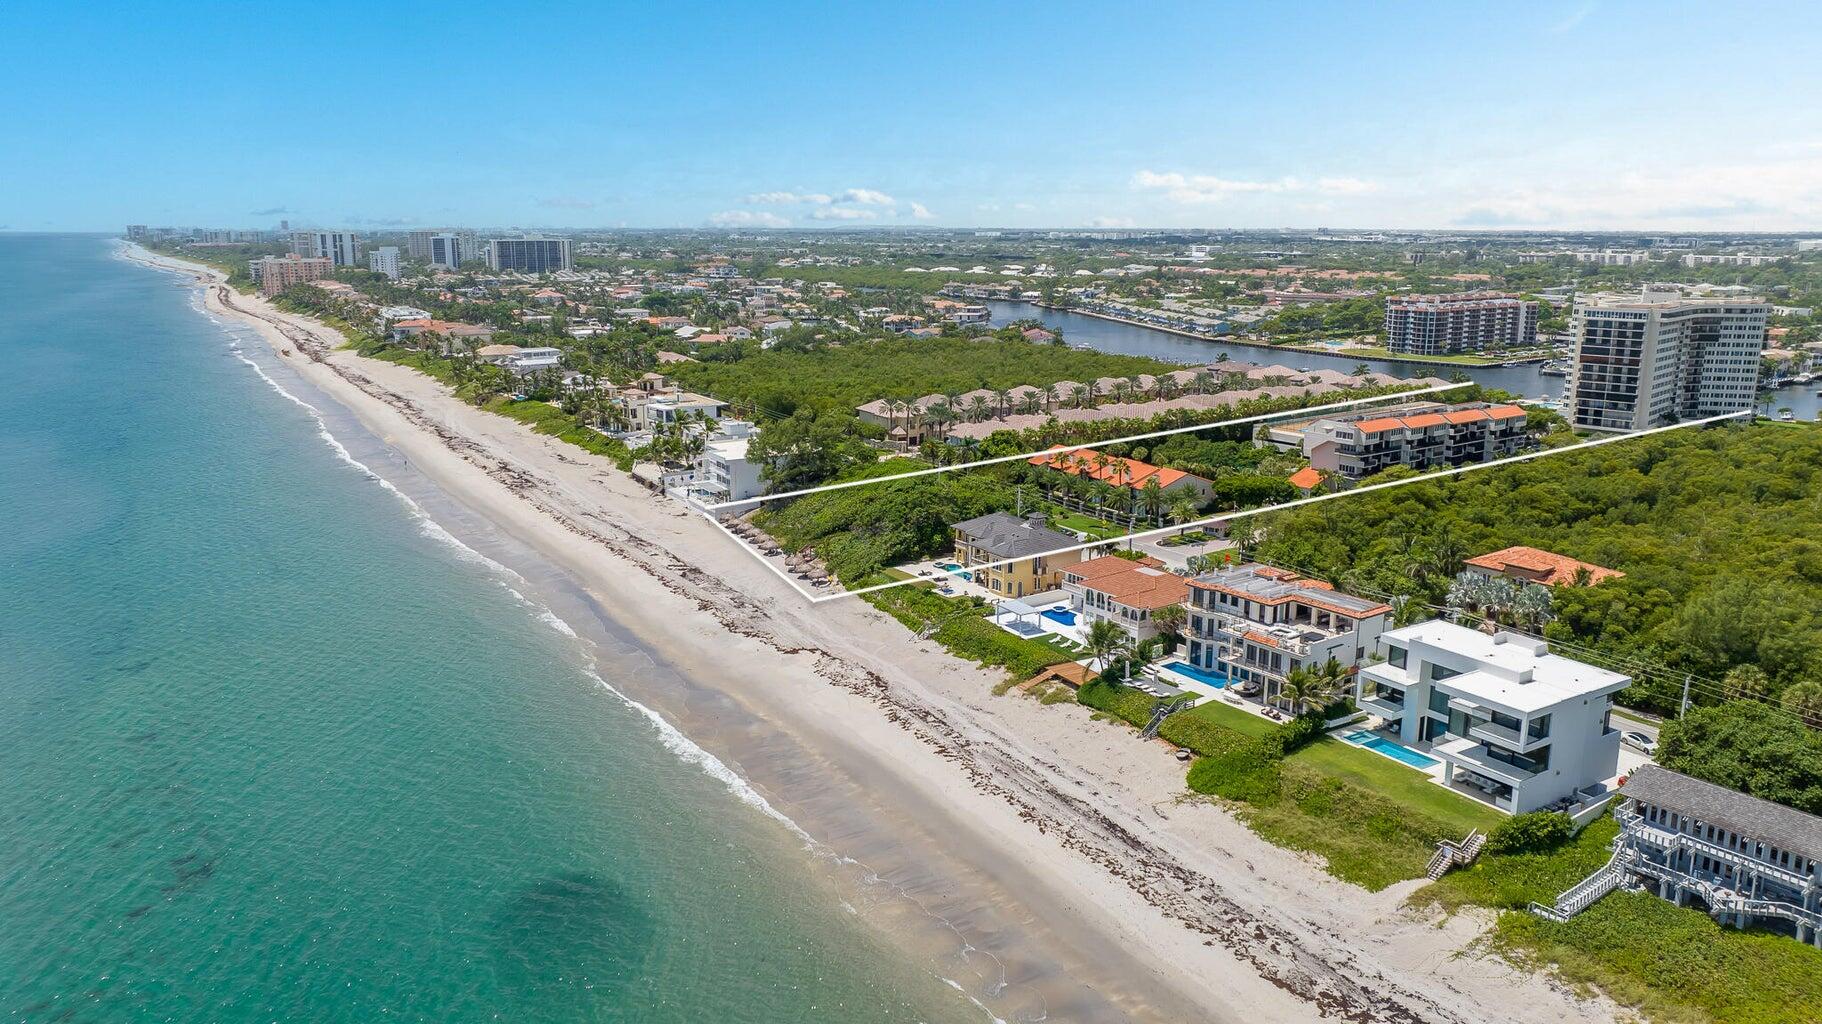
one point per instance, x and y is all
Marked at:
(1547, 117)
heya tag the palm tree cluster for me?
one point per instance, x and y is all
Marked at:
(1313, 687)
(1501, 601)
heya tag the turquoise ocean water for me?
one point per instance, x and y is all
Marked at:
(275, 748)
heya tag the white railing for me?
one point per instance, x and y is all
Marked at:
(1633, 823)
(1585, 893)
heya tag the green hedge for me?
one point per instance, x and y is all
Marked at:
(1536, 832)
(1124, 702)
(965, 632)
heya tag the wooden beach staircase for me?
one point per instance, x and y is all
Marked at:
(1450, 854)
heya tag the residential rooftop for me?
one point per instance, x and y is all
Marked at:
(1005, 535)
(1510, 670)
(1546, 567)
(1784, 827)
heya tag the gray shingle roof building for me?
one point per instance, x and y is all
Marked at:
(1784, 827)
(1007, 536)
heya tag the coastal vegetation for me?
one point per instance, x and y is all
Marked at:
(1717, 531)
(837, 378)
(1749, 747)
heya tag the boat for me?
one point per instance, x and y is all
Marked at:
(1787, 416)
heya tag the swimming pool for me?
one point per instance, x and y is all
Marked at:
(1067, 618)
(1206, 677)
(1396, 751)
(948, 567)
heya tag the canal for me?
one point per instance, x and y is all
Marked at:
(1131, 339)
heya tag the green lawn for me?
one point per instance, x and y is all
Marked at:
(1407, 786)
(1244, 722)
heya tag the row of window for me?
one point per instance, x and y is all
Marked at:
(1731, 840)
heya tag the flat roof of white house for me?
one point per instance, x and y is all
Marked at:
(1513, 671)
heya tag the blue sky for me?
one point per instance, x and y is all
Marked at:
(1566, 114)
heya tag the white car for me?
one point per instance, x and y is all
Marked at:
(1641, 742)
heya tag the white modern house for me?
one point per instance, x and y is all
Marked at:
(1514, 725)
(1745, 860)
(1258, 623)
(722, 472)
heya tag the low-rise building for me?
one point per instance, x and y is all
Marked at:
(1256, 624)
(1515, 725)
(1125, 592)
(1118, 471)
(1357, 445)
(1533, 565)
(1025, 544)
(1743, 859)
(520, 360)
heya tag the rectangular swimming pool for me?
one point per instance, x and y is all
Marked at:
(1206, 677)
(1396, 751)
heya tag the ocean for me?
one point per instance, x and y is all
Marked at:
(276, 746)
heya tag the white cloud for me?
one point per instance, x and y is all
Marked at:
(789, 198)
(867, 197)
(842, 213)
(748, 219)
(1208, 188)
(921, 212)
(1776, 194)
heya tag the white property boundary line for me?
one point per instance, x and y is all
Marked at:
(719, 506)
(1300, 502)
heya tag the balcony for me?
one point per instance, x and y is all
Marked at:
(1388, 674)
(1379, 705)
(1469, 754)
(1496, 733)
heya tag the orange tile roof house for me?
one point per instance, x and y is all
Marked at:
(1124, 591)
(1119, 472)
(1532, 565)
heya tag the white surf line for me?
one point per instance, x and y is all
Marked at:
(1300, 502)
(756, 553)
(1060, 449)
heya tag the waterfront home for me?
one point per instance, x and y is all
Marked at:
(999, 536)
(1532, 565)
(1118, 471)
(1420, 436)
(1744, 860)
(1125, 592)
(1256, 624)
(1515, 725)
(722, 472)
(520, 360)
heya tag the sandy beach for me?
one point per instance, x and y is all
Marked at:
(1064, 846)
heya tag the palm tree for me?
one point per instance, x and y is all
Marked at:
(1105, 639)
(1204, 379)
(1307, 687)
(1170, 621)
(1531, 607)
(1080, 396)
(977, 408)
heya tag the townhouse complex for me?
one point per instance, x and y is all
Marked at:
(1440, 325)
(1256, 624)
(1658, 358)
(1357, 445)
(1514, 724)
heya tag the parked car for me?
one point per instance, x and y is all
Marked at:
(1640, 742)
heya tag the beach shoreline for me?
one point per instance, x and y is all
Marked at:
(1071, 829)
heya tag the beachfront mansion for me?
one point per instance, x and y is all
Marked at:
(1256, 624)
(1515, 725)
